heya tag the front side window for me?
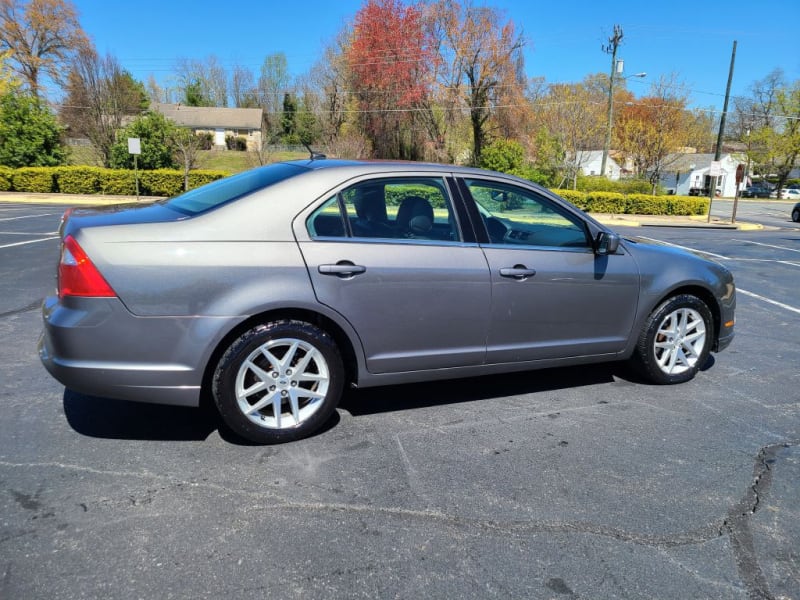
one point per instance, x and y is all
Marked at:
(518, 216)
(410, 208)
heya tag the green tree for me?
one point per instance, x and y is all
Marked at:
(289, 119)
(193, 94)
(508, 156)
(29, 133)
(308, 129)
(155, 132)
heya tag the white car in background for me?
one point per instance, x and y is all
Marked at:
(787, 194)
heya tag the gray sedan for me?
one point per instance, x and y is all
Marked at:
(270, 291)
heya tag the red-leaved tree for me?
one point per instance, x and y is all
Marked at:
(390, 60)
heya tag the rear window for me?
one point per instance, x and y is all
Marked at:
(219, 192)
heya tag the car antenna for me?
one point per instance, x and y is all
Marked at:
(314, 155)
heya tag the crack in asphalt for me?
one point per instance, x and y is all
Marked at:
(35, 305)
(736, 525)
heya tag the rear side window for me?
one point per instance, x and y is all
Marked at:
(408, 208)
(219, 192)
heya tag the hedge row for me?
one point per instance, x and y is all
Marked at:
(635, 204)
(97, 180)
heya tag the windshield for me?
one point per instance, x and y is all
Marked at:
(219, 192)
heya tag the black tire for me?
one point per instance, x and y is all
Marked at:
(259, 369)
(675, 341)
(796, 215)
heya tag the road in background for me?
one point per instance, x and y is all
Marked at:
(573, 483)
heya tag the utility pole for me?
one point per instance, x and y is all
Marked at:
(712, 181)
(613, 43)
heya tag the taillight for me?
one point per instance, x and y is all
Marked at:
(77, 275)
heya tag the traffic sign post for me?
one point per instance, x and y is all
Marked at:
(135, 148)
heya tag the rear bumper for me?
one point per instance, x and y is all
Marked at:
(96, 346)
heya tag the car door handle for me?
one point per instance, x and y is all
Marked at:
(518, 272)
(344, 269)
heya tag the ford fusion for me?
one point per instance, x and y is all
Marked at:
(272, 290)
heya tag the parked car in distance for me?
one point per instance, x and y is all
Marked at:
(756, 191)
(796, 213)
(270, 291)
(787, 194)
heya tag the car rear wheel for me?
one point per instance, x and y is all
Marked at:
(676, 340)
(796, 215)
(278, 382)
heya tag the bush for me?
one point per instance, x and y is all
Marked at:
(394, 196)
(39, 180)
(97, 180)
(206, 141)
(597, 183)
(5, 179)
(160, 182)
(574, 196)
(201, 177)
(78, 180)
(635, 204)
(606, 202)
(235, 142)
(687, 205)
(118, 182)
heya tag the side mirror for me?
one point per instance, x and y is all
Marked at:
(606, 243)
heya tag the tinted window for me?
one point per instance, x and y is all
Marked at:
(413, 208)
(518, 216)
(221, 191)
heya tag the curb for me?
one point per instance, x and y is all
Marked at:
(72, 199)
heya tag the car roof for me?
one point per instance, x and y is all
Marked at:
(383, 166)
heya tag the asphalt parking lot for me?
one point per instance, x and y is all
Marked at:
(566, 483)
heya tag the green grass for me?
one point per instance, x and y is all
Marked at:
(231, 161)
(234, 161)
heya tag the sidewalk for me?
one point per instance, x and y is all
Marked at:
(606, 219)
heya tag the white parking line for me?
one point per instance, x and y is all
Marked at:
(769, 300)
(740, 290)
(767, 245)
(29, 242)
(27, 217)
(695, 250)
(768, 260)
(28, 233)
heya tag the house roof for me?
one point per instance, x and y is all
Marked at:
(210, 117)
(683, 162)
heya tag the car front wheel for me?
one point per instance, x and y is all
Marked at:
(278, 382)
(676, 340)
(796, 215)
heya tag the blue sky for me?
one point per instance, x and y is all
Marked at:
(692, 39)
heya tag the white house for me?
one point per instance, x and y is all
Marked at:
(685, 172)
(221, 122)
(589, 162)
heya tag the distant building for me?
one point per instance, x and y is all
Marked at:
(686, 172)
(589, 162)
(219, 122)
